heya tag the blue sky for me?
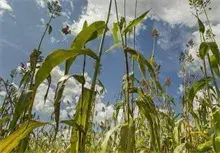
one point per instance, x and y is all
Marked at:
(22, 23)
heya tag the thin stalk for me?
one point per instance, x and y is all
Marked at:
(81, 140)
(126, 65)
(96, 73)
(213, 75)
(38, 49)
(132, 60)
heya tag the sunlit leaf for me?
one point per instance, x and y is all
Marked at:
(56, 58)
(12, 141)
(135, 22)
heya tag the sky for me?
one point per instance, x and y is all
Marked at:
(22, 23)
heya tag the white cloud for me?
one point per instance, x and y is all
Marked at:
(4, 6)
(173, 11)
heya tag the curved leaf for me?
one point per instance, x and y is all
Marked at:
(56, 58)
(198, 86)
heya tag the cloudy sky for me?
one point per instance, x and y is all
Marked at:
(22, 23)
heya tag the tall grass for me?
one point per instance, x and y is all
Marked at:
(148, 122)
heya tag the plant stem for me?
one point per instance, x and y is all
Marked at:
(126, 65)
(96, 73)
(38, 49)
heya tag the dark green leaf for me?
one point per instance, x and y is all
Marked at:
(201, 26)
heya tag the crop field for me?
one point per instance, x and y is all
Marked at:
(145, 117)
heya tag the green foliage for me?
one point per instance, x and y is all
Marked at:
(144, 119)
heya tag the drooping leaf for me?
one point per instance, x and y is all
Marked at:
(135, 22)
(58, 97)
(57, 57)
(13, 140)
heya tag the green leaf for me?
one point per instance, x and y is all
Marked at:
(201, 26)
(89, 33)
(56, 58)
(13, 140)
(135, 22)
(115, 32)
(214, 65)
(203, 50)
(214, 48)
